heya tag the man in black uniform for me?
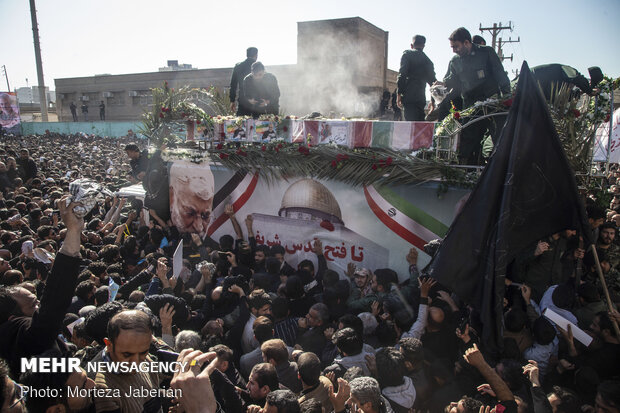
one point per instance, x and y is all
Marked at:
(261, 92)
(478, 74)
(85, 111)
(240, 71)
(102, 111)
(139, 162)
(416, 70)
(551, 77)
(73, 108)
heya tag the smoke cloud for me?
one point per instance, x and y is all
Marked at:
(337, 74)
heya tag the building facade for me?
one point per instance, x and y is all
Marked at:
(341, 70)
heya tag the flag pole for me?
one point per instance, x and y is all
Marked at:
(601, 278)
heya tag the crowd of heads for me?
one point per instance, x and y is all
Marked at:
(265, 336)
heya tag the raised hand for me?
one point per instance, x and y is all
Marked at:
(425, 286)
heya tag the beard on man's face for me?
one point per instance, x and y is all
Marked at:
(177, 220)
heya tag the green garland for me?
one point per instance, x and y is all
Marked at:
(280, 160)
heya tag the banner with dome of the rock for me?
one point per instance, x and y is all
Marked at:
(295, 213)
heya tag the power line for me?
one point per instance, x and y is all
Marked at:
(495, 30)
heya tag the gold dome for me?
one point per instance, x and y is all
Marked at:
(309, 194)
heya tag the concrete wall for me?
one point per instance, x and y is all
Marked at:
(115, 129)
(127, 96)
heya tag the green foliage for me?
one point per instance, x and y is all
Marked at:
(364, 166)
(173, 109)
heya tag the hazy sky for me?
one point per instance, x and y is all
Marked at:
(84, 38)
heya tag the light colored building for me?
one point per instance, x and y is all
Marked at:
(30, 95)
(341, 70)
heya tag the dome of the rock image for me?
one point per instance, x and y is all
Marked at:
(311, 200)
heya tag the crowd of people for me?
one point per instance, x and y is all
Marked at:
(259, 335)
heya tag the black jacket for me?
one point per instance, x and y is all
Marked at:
(478, 75)
(139, 165)
(416, 70)
(258, 89)
(239, 73)
(29, 336)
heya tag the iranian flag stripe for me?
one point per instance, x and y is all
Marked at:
(393, 216)
(392, 224)
(436, 227)
(238, 196)
(226, 190)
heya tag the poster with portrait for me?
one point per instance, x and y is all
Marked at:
(9, 114)
(335, 132)
(372, 227)
(191, 196)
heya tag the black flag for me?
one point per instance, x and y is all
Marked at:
(526, 192)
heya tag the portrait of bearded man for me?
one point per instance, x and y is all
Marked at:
(191, 196)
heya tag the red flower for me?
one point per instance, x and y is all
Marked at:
(334, 164)
(285, 129)
(241, 152)
(263, 148)
(223, 155)
(198, 122)
(183, 114)
(327, 225)
(222, 135)
(251, 127)
(161, 115)
(374, 166)
(576, 113)
(219, 146)
(456, 115)
(280, 145)
(288, 117)
(507, 103)
(277, 149)
(607, 118)
(389, 161)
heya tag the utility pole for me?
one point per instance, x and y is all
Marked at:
(500, 51)
(8, 88)
(495, 31)
(37, 55)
